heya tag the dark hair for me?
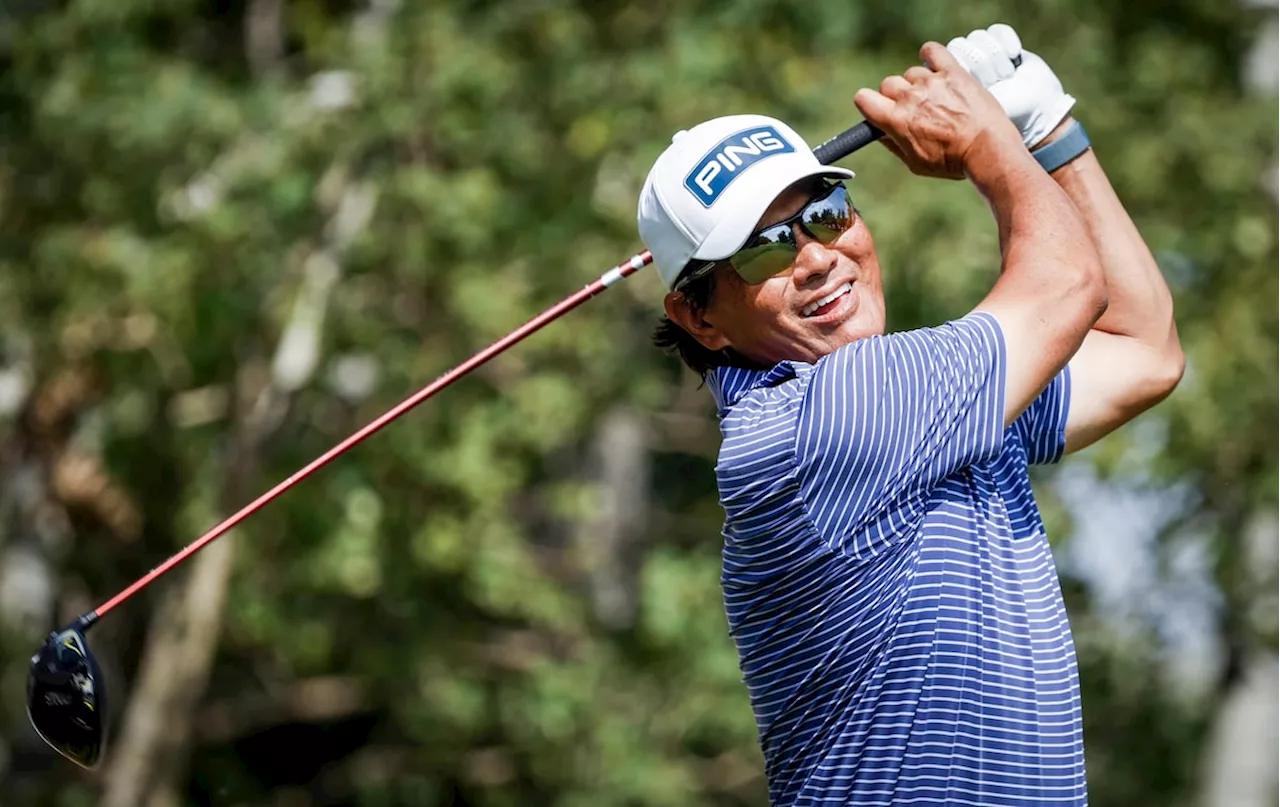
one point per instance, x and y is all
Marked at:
(669, 337)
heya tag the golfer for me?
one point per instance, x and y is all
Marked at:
(886, 574)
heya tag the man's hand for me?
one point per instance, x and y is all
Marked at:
(938, 117)
(1031, 94)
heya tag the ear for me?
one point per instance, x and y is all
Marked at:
(679, 312)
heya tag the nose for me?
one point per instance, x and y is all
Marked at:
(813, 263)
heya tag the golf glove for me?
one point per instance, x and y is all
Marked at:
(1030, 93)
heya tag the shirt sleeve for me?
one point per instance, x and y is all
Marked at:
(887, 418)
(1042, 429)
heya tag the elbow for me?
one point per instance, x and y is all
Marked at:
(1169, 370)
(1169, 362)
(1161, 374)
(1151, 377)
(1161, 379)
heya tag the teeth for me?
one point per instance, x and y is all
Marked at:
(816, 304)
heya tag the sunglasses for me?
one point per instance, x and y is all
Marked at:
(772, 250)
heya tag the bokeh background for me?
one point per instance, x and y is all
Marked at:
(233, 232)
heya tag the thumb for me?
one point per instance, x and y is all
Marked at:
(875, 107)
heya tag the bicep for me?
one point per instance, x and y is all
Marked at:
(1042, 336)
(1114, 379)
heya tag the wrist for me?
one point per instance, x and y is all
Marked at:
(994, 157)
(1067, 142)
(1057, 132)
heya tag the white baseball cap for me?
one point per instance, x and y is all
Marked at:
(709, 188)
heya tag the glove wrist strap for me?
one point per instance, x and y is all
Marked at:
(1073, 142)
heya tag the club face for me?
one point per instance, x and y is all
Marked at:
(66, 702)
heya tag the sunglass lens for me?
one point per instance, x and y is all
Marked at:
(828, 218)
(766, 264)
(774, 248)
(773, 251)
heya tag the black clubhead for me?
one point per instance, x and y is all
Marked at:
(66, 702)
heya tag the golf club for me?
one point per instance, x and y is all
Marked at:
(66, 694)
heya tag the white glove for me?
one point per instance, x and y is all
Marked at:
(1030, 93)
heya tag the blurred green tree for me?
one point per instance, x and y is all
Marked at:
(232, 233)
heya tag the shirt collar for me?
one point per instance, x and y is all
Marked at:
(729, 384)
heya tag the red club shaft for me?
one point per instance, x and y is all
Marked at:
(838, 147)
(622, 270)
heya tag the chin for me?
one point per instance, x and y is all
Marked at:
(861, 325)
(868, 319)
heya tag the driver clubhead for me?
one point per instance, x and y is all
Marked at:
(66, 699)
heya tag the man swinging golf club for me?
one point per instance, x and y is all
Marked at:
(887, 578)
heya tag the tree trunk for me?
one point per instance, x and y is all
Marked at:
(619, 468)
(1240, 756)
(150, 763)
(184, 634)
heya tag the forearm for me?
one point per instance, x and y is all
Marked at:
(1051, 288)
(1140, 304)
(1131, 359)
(1044, 239)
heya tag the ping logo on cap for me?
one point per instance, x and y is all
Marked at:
(729, 158)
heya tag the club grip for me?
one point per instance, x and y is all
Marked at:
(847, 142)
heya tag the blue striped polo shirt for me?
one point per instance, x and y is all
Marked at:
(887, 578)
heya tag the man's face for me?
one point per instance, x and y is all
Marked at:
(776, 320)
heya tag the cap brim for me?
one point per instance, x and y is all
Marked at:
(739, 219)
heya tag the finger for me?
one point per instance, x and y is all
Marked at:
(996, 57)
(917, 74)
(1008, 39)
(936, 57)
(957, 48)
(974, 59)
(894, 87)
(875, 107)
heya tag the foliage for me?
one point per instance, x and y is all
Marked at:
(188, 198)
